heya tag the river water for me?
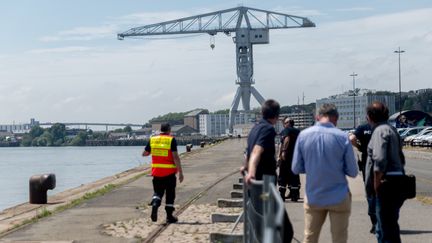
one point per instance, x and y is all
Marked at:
(72, 166)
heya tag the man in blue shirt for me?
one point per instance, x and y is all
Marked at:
(325, 154)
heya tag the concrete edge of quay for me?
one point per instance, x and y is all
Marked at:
(15, 217)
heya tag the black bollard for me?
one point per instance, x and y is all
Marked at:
(39, 185)
(202, 144)
(188, 147)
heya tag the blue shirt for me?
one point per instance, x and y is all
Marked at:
(325, 154)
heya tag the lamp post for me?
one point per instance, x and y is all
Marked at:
(353, 75)
(399, 51)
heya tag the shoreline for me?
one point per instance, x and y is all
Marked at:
(15, 217)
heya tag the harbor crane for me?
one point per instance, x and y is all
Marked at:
(250, 25)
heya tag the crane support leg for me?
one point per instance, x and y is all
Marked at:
(257, 95)
(233, 109)
(245, 97)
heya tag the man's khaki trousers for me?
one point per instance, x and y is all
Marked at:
(339, 218)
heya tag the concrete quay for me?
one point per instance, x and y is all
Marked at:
(123, 215)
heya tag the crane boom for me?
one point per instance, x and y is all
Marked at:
(250, 25)
(226, 21)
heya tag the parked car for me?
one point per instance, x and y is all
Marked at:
(401, 130)
(427, 142)
(418, 140)
(408, 139)
(411, 131)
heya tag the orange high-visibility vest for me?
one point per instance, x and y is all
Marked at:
(162, 157)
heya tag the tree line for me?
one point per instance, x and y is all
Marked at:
(57, 135)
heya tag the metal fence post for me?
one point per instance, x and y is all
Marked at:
(245, 212)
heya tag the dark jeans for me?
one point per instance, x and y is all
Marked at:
(371, 209)
(388, 204)
(165, 184)
(287, 177)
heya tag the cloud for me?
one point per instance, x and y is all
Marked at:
(225, 98)
(67, 102)
(83, 33)
(134, 80)
(356, 9)
(67, 49)
(299, 11)
(143, 18)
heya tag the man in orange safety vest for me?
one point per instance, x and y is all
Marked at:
(165, 165)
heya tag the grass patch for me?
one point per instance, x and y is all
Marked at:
(42, 214)
(424, 199)
(89, 195)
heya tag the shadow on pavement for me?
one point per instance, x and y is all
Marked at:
(415, 232)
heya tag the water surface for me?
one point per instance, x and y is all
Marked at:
(72, 166)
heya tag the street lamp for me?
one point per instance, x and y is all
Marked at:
(353, 75)
(399, 51)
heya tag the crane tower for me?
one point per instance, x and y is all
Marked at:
(250, 25)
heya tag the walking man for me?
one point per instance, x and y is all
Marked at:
(360, 139)
(165, 165)
(260, 155)
(385, 163)
(324, 153)
(286, 176)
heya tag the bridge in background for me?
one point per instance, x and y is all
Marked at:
(93, 124)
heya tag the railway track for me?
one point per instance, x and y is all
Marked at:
(158, 231)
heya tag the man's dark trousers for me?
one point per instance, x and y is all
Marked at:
(287, 177)
(388, 204)
(165, 184)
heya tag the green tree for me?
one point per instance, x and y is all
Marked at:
(26, 141)
(225, 111)
(36, 131)
(46, 139)
(118, 130)
(127, 129)
(80, 139)
(408, 104)
(58, 131)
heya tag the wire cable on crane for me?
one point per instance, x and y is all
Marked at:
(212, 41)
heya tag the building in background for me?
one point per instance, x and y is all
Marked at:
(302, 120)
(214, 125)
(19, 128)
(182, 130)
(345, 105)
(192, 118)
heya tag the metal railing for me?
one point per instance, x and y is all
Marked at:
(263, 212)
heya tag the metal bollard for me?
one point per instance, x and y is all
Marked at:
(188, 147)
(202, 144)
(39, 185)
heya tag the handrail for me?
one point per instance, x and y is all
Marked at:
(261, 199)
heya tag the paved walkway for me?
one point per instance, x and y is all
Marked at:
(87, 222)
(123, 215)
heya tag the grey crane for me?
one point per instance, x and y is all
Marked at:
(250, 25)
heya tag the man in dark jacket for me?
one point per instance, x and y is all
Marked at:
(286, 176)
(260, 156)
(384, 168)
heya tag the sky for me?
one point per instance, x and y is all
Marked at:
(60, 61)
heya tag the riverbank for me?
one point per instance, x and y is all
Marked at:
(122, 215)
(17, 216)
(202, 168)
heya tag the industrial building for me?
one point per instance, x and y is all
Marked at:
(214, 125)
(351, 116)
